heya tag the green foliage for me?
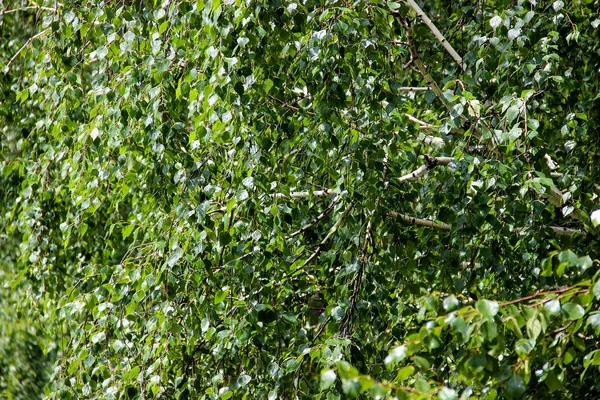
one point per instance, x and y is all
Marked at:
(252, 199)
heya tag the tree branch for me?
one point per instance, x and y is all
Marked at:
(419, 221)
(298, 195)
(437, 33)
(431, 162)
(414, 89)
(422, 124)
(314, 222)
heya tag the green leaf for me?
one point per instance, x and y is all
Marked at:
(338, 313)
(450, 303)
(220, 296)
(487, 308)
(174, 257)
(524, 346)
(405, 372)
(327, 379)
(477, 363)
(573, 311)
(268, 85)
(595, 218)
(515, 386)
(126, 232)
(396, 355)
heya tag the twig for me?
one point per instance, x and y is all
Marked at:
(437, 33)
(27, 43)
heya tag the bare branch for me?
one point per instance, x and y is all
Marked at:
(437, 33)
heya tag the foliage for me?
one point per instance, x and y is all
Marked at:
(264, 199)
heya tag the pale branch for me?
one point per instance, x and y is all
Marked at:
(559, 230)
(422, 124)
(27, 43)
(431, 162)
(414, 89)
(437, 33)
(299, 195)
(433, 140)
(419, 221)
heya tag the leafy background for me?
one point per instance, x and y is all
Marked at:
(214, 199)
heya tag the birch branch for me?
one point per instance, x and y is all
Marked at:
(414, 89)
(299, 195)
(437, 33)
(419, 221)
(433, 141)
(431, 162)
(422, 124)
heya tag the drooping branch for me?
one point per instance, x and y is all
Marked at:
(431, 162)
(437, 33)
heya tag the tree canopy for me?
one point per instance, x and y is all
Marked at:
(315, 199)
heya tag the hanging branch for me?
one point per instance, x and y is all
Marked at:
(365, 257)
(437, 33)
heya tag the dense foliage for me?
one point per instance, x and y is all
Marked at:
(321, 199)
